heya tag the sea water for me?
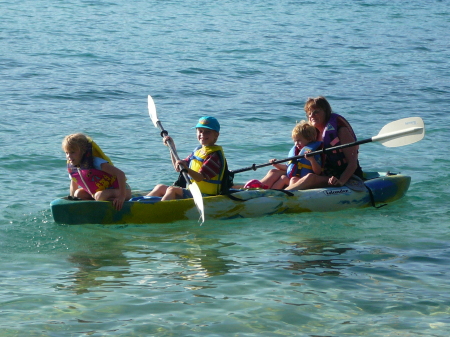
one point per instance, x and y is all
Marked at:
(88, 66)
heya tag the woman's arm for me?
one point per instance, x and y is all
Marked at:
(350, 153)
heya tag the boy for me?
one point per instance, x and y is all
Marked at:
(206, 165)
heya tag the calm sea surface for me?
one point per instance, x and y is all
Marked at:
(88, 66)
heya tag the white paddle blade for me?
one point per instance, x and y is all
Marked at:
(152, 110)
(198, 200)
(401, 132)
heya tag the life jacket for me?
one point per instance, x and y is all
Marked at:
(335, 162)
(302, 166)
(211, 186)
(89, 178)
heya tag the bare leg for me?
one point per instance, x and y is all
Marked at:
(294, 180)
(311, 180)
(281, 183)
(82, 194)
(173, 192)
(158, 191)
(111, 194)
(272, 177)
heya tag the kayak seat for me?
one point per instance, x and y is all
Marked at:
(146, 199)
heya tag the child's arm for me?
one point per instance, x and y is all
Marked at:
(197, 176)
(73, 187)
(279, 166)
(211, 167)
(317, 169)
(121, 178)
(174, 160)
(166, 139)
(182, 162)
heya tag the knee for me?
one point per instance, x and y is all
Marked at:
(82, 194)
(98, 196)
(160, 188)
(274, 171)
(309, 176)
(171, 190)
(78, 193)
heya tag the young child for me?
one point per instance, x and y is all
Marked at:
(206, 165)
(92, 173)
(304, 136)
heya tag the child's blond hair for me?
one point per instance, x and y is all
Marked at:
(306, 130)
(75, 141)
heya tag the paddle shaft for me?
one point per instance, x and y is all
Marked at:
(380, 137)
(254, 167)
(172, 150)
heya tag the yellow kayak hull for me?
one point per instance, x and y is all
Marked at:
(242, 204)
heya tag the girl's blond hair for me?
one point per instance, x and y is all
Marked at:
(75, 141)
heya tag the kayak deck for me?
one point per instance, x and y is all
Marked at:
(381, 188)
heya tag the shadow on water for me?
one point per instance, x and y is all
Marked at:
(145, 255)
(318, 257)
(95, 270)
(131, 255)
(180, 252)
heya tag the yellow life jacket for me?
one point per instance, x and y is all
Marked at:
(210, 186)
(97, 151)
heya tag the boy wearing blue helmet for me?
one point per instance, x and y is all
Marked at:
(206, 165)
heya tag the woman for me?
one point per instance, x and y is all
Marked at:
(339, 166)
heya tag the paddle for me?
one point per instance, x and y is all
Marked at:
(397, 133)
(193, 187)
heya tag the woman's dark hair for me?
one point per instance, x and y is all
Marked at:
(318, 102)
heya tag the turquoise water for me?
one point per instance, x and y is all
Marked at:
(88, 66)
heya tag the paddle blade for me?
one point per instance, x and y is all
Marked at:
(198, 200)
(401, 132)
(152, 111)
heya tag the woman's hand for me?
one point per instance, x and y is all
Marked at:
(335, 182)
